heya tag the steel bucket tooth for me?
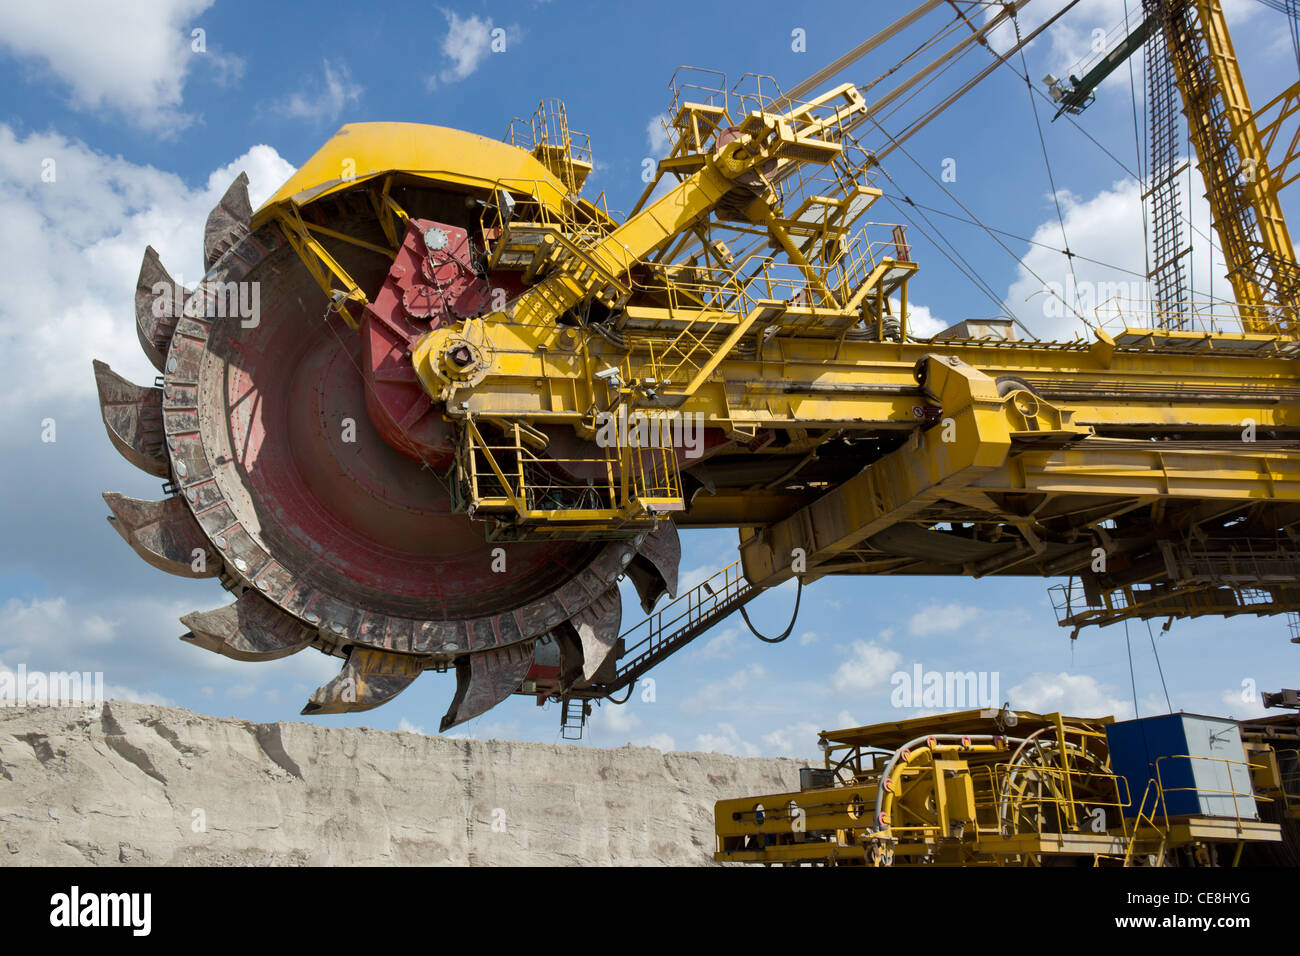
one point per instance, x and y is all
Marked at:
(484, 680)
(653, 570)
(597, 626)
(369, 678)
(251, 629)
(156, 308)
(228, 222)
(133, 417)
(164, 533)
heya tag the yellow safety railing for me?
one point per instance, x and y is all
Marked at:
(1289, 779)
(1153, 791)
(1116, 313)
(510, 477)
(1064, 793)
(691, 607)
(692, 84)
(1156, 792)
(547, 136)
(535, 235)
(1198, 789)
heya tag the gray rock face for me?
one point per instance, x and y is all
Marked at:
(140, 785)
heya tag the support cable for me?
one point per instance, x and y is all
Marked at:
(959, 263)
(1007, 249)
(1132, 679)
(1019, 238)
(1137, 149)
(1186, 217)
(1047, 162)
(1158, 667)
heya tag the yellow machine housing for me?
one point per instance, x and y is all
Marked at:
(992, 787)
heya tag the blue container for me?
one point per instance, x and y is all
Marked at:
(1202, 765)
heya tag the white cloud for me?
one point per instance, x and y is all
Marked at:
(1070, 39)
(867, 669)
(132, 640)
(1076, 695)
(722, 647)
(614, 719)
(921, 321)
(844, 720)
(72, 687)
(52, 634)
(727, 741)
(468, 41)
(807, 637)
(797, 740)
(656, 135)
(942, 619)
(692, 578)
(1107, 228)
(723, 694)
(242, 690)
(131, 58)
(77, 242)
(480, 729)
(325, 96)
(661, 742)
(1235, 705)
(406, 727)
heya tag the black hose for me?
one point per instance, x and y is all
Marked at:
(798, 595)
(626, 697)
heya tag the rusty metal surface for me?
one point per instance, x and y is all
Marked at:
(368, 678)
(654, 570)
(156, 308)
(484, 680)
(251, 629)
(423, 289)
(133, 418)
(228, 221)
(252, 420)
(165, 534)
(597, 626)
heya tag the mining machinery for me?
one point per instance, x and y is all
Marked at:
(471, 400)
(1003, 787)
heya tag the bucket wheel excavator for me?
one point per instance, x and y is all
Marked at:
(429, 405)
(308, 468)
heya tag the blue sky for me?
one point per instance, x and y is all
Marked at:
(146, 133)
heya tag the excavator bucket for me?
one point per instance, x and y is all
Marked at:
(159, 301)
(597, 626)
(368, 678)
(251, 629)
(164, 533)
(484, 680)
(133, 418)
(653, 571)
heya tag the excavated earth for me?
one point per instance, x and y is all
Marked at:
(141, 785)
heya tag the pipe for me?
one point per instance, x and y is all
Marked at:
(918, 741)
